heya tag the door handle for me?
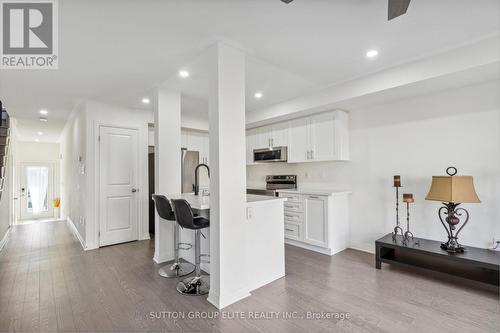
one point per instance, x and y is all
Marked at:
(134, 190)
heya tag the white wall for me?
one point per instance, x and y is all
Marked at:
(27, 151)
(73, 159)
(417, 138)
(79, 164)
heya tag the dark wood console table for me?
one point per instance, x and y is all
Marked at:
(476, 264)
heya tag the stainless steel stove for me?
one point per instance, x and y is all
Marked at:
(274, 183)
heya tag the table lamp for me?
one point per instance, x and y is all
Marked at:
(452, 191)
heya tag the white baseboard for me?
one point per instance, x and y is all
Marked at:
(162, 260)
(228, 299)
(363, 248)
(5, 238)
(75, 232)
(310, 247)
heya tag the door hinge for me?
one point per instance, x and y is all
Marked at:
(99, 138)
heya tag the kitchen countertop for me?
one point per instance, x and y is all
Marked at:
(199, 202)
(314, 191)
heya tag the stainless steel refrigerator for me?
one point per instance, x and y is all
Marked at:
(189, 160)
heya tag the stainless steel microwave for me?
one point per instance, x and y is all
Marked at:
(274, 154)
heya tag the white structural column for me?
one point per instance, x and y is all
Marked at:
(228, 276)
(167, 164)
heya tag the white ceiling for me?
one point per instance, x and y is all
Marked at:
(117, 51)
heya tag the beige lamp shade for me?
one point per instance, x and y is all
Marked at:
(454, 189)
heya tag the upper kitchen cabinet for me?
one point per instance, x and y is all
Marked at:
(196, 141)
(298, 148)
(322, 137)
(252, 142)
(279, 134)
(275, 135)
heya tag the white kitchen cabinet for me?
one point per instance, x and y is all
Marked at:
(252, 142)
(322, 137)
(196, 141)
(275, 135)
(298, 143)
(264, 137)
(279, 134)
(204, 158)
(317, 222)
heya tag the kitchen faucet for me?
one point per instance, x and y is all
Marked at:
(196, 177)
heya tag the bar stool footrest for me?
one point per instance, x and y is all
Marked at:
(184, 246)
(206, 256)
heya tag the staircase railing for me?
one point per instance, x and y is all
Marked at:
(4, 145)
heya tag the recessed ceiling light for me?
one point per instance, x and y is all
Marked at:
(259, 95)
(36, 140)
(40, 133)
(372, 53)
(44, 112)
(43, 119)
(183, 73)
(146, 100)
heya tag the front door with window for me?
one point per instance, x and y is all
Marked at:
(37, 191)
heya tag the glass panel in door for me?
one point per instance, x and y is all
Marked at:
(36, 192)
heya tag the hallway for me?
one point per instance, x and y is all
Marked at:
(47, 283)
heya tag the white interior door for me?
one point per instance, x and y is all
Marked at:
(36, 191)
(118, 179)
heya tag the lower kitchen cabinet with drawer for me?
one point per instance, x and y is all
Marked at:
(317, 222)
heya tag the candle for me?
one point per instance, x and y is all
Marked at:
(408, 198)
(397, 181)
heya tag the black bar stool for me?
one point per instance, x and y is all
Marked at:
(176, 269)
(198, 284)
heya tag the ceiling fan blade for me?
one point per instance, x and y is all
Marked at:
(397, 8)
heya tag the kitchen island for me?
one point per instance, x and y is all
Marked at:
(265, 238)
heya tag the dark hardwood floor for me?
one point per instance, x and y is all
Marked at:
(47, 283)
